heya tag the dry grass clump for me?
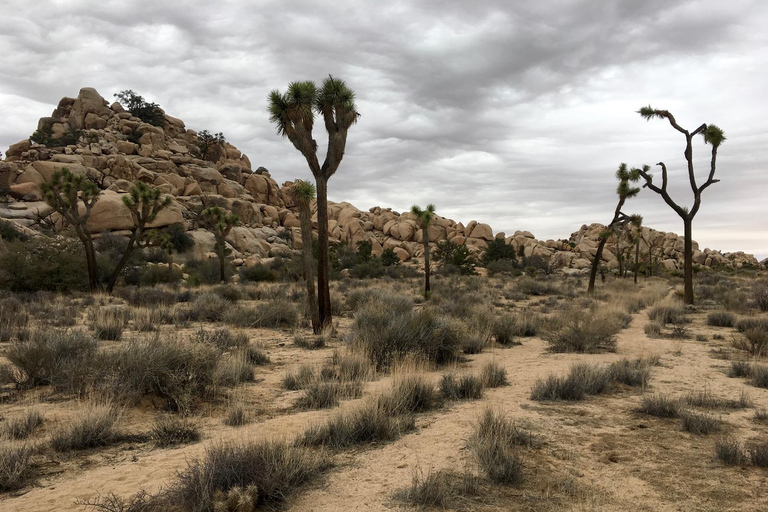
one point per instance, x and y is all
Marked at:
(760, 294)
(222, 338)
(493, 375)
(653, 329)
(321, 395)
(740, 369)
(496, 444)
(660, 406)
(108, 322)
(237, 415)
(171, 430)
(411, 392)
(54, 357)
(356, 299)
(750, 323)
(759, 376)
(175, 370)
(705, 399)
(387, 337)
(700, 423)
(147, 297)
(209, 307)
(255, 355)
(730, 452)
(312, 342)
(274, 314)
(232, 369)
(586, 379)
(12, 317)
(464, 387)
(147, 319)
(371, 422)
(22, 426)
(16, 467)
(94, 425)
(229, 477)
(754, 341)
(585, 331)
(444, 489)
(300, 378)
(668, 312)
(505, 329)
(721, 319)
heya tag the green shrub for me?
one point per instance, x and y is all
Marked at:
(368, 270)
(389, 258)
(9, 233)
(206, 271)
(146, 111)
(146, 297)
(55, 265)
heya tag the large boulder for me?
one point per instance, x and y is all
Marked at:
(110, 214)
(88, 102)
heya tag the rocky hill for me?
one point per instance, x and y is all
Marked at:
(114, 148)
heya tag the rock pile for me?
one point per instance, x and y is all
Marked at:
(115, 148)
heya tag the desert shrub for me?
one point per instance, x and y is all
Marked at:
(170, 430)
(152, 275)
(759, 376)
(209, 307)
(653, 329)
(347, 367)
(528, 323)
(276, 313)
(493, 375)
(55, 265)
(298, 379)
(660, 406)
(108, 322)
(740, 369)
(730, 451)
(368, 423)
(146, 297)
(206, 271)
(232, 369)
(257, 274)
(221, 338)
(754, 341)
(12, 317)
(385, 299)
(698, 423)
(56, 357)
(237, 415)
(146, 319)
(229, 292)
(16, 465)
(758, 455)
(747, 324)
(537, 287)
(496, 444)
(721, 319)
(441, 489)
(473, 343)
(368, 270)
(504, 267)
(454, 258)
(465, 387)
(586, 331)
(410, 393)
(320, 395)
(23, 426)
(174, 370)
(635, 373)
(387, 336)
(310, 342)
(96, 425)
(668, 313)
(267, 472)
(505, 327)
(146, 111)
(760, 295)
(582, 380)
(255, 355)
(9, 233)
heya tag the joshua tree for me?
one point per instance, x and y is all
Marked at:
(63, 193)
(624, 191)
(713, 136)
(145, 203)
(305, 193)
(293, 113)
(423, 219)
(220, 223)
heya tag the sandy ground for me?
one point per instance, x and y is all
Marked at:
(599, 454)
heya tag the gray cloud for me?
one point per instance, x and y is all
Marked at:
(515, 114)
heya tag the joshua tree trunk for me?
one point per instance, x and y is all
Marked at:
(637, 258)
(425, 241)
(90, 260)
(595, 264)
(220, 252)
(306, 257)
(123, 262)
(323, 290)
(688, 260)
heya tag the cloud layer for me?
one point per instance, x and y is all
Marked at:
(511, 113)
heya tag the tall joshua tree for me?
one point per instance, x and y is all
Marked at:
(220, 222)
(293, 113)
(624, 191)
(423, 219)
(713, 136)
(144, 203)
(305, 193)
(63, 193)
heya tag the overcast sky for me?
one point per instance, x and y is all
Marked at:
(511, 113)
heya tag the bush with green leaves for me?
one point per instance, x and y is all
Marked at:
(45, 137)
(586, 331)
(9, 233)
(389, 258)
(43, 264)
(208, 144)
(498, 249)
(454, 258)
(139, 107)
(257, 273)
